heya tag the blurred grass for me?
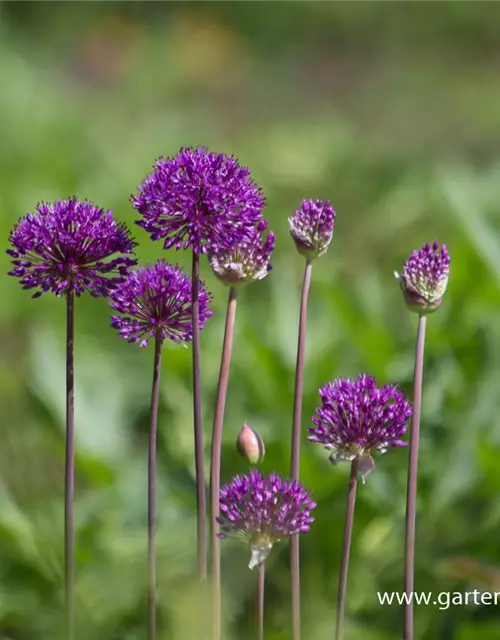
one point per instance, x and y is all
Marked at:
(388, 109)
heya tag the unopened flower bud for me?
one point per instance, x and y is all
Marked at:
(424, 278)
(250, 445)
(311, 227)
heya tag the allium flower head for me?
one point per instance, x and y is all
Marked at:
(424, 278)
(245, 260)
(70, 245)
(356, 419)
(157, 299)
(263, 511)
(312, 227)
(198, 199)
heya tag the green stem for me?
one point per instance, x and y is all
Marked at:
(295, 455)
(215, 462)
(411, 496)
(201, 500)
(69, 525)
(346, 549)
(153, 430)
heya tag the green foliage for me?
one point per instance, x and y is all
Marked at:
(390, 112)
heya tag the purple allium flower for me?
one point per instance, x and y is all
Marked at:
(70, 245)
(245, 260)
(198, 199)
(263, 511)
(312, 227)
(356, 419)
(155, 299)
(425, 277)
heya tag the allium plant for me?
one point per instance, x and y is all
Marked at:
(250, 445)
(156, 303)
(201, 201)
(423, 280)
(245, 261)
(263, 511)
(68, 247)
(355, 420)
(311, 228)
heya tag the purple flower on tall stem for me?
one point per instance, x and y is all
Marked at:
(311, 228)
(356, 419)
(423, 280)
(204, 201)
(68, 247)
(198, 199)
(156, 303)
(263, 511)
(245, 261)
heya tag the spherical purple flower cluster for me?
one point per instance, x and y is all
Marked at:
(157, 300)
(425, 277)
(356, 418)
(70, 245)
(198, 199)
(264, 510)
(312, 227)
(246, 260)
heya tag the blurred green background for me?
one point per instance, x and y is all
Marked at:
(390, 110)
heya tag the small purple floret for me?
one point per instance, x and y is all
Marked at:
(198, 199)
(356, 418)
(70, 245)
(157, 299)
(425, 277)
(245, 260)
(263, 511)
(312, 227)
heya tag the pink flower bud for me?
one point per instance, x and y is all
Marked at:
(250, 445)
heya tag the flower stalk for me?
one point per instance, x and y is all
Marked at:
(346, 548)
(153, 431)
(295, 455)
(411, 497)
(423, 281)
(215, 463)
(201, 501)
(260, 600)
(69, 485)
(311, 228)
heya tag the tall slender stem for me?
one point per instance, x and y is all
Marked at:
(411, 496)
(346, 548)
(201, 499)
(69, 490)
(260, 600)
(215, 461)
(153, 431)
(295, 456)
